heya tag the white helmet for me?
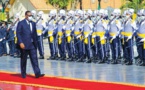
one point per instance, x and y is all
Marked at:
(105, 12)
(115, 12)
(101, 12)
(40, 13)
(79, 13)
(141, 11)
(89, 12)
(33, 12)
(17, 15)
(132, 11)
(96, 12)
(52, 13)
(62, 12)
(71, 13)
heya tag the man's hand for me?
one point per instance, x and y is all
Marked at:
(22, 46)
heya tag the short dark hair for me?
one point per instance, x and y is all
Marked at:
(27, 12)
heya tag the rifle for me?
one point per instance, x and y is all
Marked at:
(38, 19)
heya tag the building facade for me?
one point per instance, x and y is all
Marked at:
(20, 6)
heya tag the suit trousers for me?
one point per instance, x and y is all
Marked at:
(34, 61)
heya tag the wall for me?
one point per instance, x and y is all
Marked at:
(93, 4)
(20, 6)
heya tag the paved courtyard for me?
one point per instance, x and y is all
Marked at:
(102, 72)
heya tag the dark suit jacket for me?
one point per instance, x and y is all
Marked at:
(25, 35)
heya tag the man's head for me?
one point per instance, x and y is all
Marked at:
(28, 15)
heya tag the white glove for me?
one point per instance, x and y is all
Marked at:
(67, 35)
(114, 37)
(102, 38)
(64, 27)
(1, 40)
(129, 38)
(142, 40)
(78, 36)
(72, 28)
(86, 36)
(94, 36)
(49, 35)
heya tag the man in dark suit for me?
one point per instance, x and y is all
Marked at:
(27, 40)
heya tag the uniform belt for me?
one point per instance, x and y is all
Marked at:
(112, 34)
(93, 38)
(14, 32)
(142, 36)
(39, 32)
(77, 32)
(68, 32)
(127, 34)
(86, 39)
(101, 35)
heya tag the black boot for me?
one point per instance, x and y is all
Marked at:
(50, 58)
(119, 57)
(128, 62)
(79, 60)
(101, 61)
(63, 58)
(56, 57)
(88, 61)
(114, 61)
(70, 59)
(41, 57)
(142, 63)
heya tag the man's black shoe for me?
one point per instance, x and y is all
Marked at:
(142, 64)
(88, 61)
(41, 57)
(41, 75)
(128, 63)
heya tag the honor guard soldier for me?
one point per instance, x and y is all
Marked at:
(141, 39)
(1, 38)
(10, 39)
(78, 38)
(107, 44)
(93, 37)
(60, 34)
(51, 30)
(34, 16)
(68, 34)
(40, 28)
(100, 27)
(114, 30)
(138, 21)
(16, 21)
(87, 30)
(4, 33)
(128, 32)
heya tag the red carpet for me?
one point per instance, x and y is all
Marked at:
(5, 86)
(59, 83)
